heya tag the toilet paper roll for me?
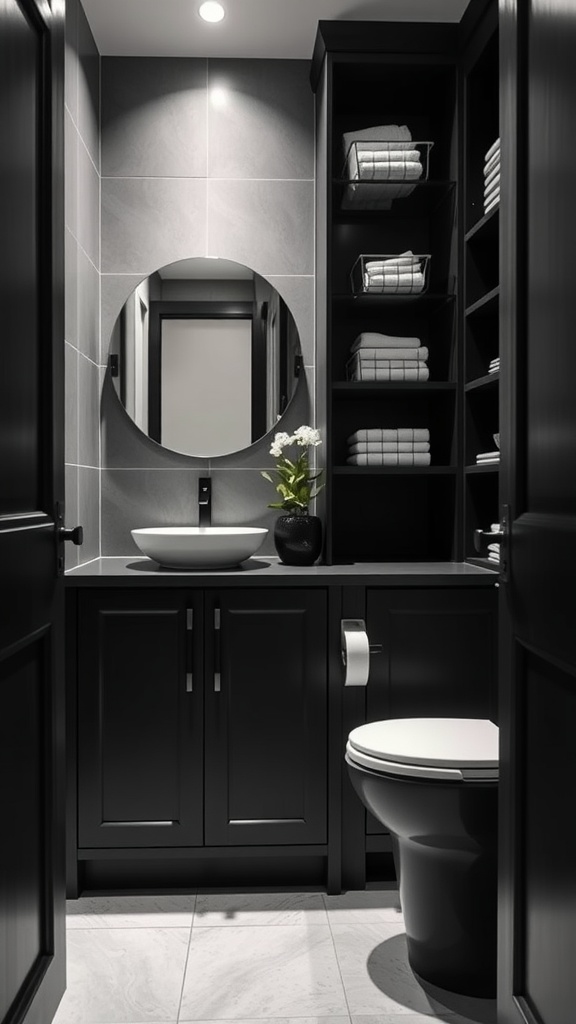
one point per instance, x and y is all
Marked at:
(355, 652)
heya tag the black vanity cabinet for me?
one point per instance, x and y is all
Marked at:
(201, 718)
(266, 717)
(140, 719)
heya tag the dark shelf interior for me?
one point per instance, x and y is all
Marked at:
(393, 518)
(482, 507)
(484, 305)
(425, 199)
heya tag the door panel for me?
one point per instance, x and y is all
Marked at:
(139, 720)
(266, 726)
(537, 906)
(32, 936)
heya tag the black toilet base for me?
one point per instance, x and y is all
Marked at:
(446, 853)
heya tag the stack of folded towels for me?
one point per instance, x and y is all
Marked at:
(494, 365)
(494, 548)
(385, 357)
(397, 446)
(492, 177)
(385, 154)
(395, 275)
(487, 458)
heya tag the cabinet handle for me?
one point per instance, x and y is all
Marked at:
(216, 650)
(189, 649)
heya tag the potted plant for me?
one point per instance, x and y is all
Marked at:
(297, 534)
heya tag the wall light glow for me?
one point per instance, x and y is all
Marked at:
(219, 97)
(211, 11)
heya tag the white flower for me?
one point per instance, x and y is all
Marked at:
(306, 436)
(281, 440)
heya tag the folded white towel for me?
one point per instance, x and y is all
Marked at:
(379, 354)
(492, 163)
(380, 138)
(389, 434)
(493, 202)
(495, 527)
(404, 259)
(492, 174)
(494, 369)
(494, 547)
(394, 283)
(488, 455)
(494, 361)
(373, 155)
(388, 364)
(370, 340)
(494, 148)
(493, 187)
(384, 447)
(394, 171)
(383, 134)
(378, 372)
(401, 459)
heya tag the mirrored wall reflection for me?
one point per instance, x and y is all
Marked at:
(205, 357)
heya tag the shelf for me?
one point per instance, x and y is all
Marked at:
(354, 388)
(424, 200)
(484, 563)
(487, 381)
(394, 470)
(486, 227)
(486, 305)
(426, 299)
(493, 467)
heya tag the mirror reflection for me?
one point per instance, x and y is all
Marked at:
(205, 356)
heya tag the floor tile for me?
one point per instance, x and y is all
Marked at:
(260, 909)
(244, 972)
(122, 976)
(130, 912)
(356, 907)
(375, 971)
(432, 1017)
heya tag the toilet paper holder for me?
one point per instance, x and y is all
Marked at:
(355, 650)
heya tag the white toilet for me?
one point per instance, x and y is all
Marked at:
(433, 782)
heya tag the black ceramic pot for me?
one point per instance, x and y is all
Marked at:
(298, 539)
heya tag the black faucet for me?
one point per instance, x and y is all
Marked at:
(204, 501)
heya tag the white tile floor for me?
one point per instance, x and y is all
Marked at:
(258, 958)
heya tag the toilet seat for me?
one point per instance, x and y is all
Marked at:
(459, 749)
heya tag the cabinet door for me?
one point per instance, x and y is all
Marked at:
(140, 719)
(266, 720)
(438, 657)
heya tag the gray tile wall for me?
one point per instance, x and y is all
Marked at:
(201, 158)
(82, 266)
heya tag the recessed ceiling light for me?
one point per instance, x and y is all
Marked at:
(211, 11)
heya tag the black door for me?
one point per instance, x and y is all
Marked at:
(538, 423)
(32, 948)
(140, 698)
(266, 717)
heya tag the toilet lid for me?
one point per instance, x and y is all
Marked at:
(448, 748)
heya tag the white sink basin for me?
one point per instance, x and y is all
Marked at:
(199, 547)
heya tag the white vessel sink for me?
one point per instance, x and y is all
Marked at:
(199, 547)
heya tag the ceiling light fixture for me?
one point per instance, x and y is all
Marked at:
(211, 11)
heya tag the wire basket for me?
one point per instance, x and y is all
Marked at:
(380, 172)
(387, 161)
(390, 274)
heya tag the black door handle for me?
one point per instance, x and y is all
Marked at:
(76, 535)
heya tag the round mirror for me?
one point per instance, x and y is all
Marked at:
(205, 356)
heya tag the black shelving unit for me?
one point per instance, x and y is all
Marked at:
(480, 284)
(404, 75)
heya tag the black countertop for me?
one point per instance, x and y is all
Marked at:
(268, 571)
